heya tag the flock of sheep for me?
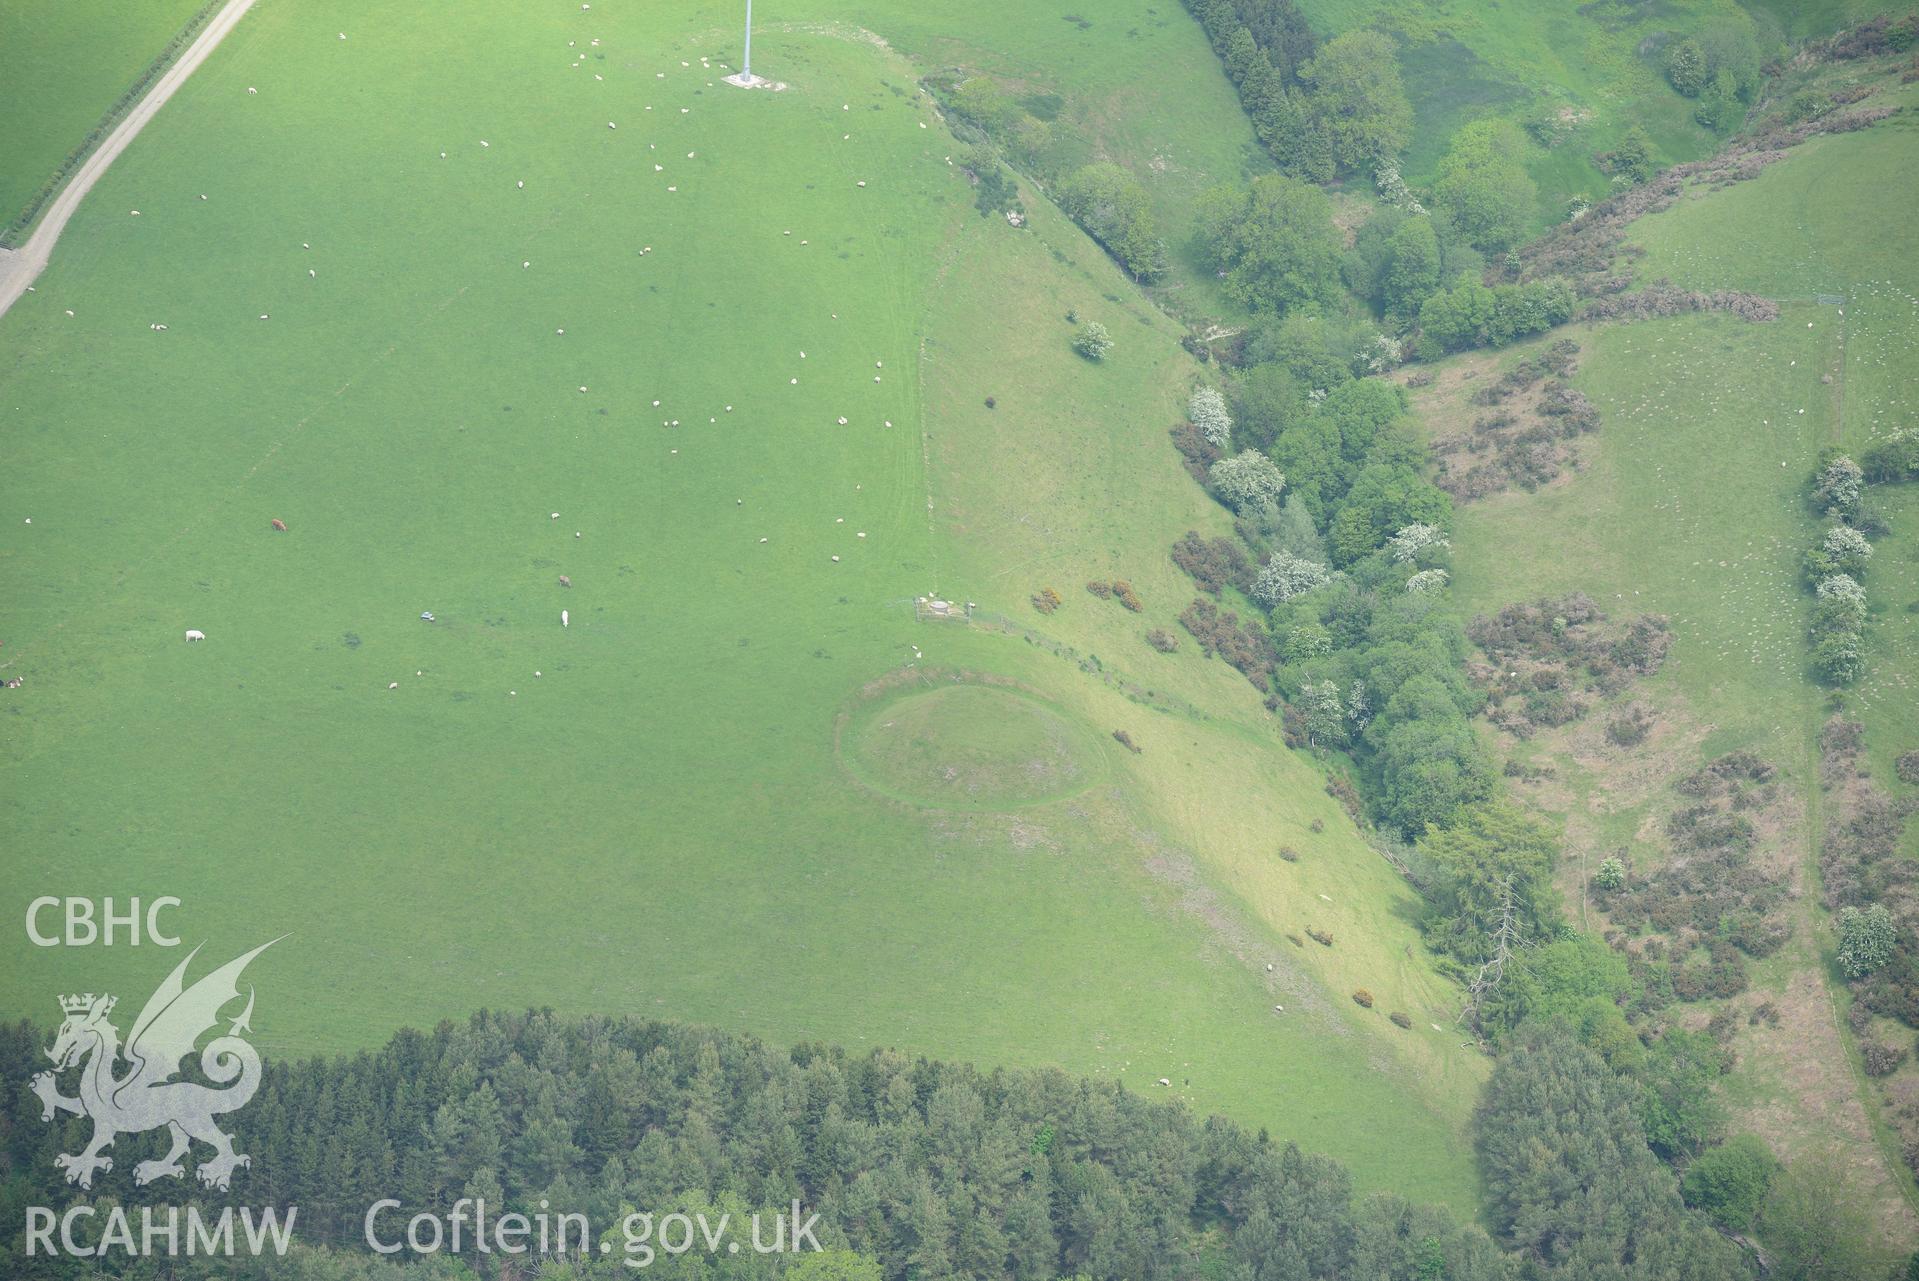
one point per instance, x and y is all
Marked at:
(578, 57)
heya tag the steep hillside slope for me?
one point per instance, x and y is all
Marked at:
(617, 417)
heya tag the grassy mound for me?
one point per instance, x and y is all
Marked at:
(971, 747)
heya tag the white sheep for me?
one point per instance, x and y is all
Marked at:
(195, 634)
(564, 621)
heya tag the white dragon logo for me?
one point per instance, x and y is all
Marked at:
(147, 1097)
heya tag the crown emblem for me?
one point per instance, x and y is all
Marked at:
(81, 1004)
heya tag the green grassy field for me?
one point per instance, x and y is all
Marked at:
(1131, 82)
(735, 396)
(1684, 509)
(66, 65)
(1793, 232)
(1690, 503)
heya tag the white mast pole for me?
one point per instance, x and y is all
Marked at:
(746, 61)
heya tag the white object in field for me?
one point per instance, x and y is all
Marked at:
(1164, 1081)
(195, 634)
(393, 685)
(1324, 897)
(555, 516)
(564, 621)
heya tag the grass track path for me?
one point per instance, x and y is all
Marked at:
(22, 267)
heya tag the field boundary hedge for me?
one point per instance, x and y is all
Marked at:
(16, 229)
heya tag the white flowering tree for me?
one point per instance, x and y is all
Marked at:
(1359, 707)
(1393, 189)
(1093, 341)
(1842, 589)
(1838, 486)
(1427, 580)
(1247, 482)
(1207, 410)
(1286, 576)
(1844, 550)
(1414, 539)
(1325, 713)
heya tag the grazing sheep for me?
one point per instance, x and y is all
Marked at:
(195, 634)
(279, 524)
(565, 581)
(564, 620)
(1164, 1081)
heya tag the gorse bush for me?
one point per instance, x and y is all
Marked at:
(1866, 939)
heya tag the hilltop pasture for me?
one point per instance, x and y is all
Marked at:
(721, 362)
